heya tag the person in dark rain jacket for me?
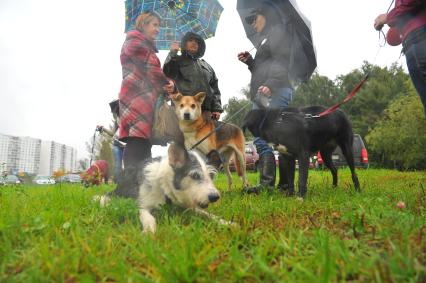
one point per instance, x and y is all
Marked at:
(269, 78)
(192, 74)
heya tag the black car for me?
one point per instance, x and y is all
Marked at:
(360, 155)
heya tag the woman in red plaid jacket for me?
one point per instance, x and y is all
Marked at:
(143, 81)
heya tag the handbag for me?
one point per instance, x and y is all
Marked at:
(165, 126)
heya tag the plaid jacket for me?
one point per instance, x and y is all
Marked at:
(143, 81)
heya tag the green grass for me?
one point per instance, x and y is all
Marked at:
(59, 234)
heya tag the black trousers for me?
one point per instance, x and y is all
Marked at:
(136, 151)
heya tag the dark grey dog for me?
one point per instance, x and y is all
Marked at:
(296, 136)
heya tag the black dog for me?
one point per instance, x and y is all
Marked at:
(296, 135)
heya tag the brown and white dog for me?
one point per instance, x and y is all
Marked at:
(227, 140)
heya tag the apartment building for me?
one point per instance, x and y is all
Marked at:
(55, 156)
(34, 156)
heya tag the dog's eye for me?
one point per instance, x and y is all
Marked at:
(181, 106)
(193, 106)
(195, 176)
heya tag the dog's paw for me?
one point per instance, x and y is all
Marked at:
(104, 200)
(250, 190)
(149, 228)
(96, 198)
(228, 223)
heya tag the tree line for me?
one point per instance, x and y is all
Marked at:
(386, 112)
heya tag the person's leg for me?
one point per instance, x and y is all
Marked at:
(416, 63)
(117, 152)
(136, 151)
(267, 167)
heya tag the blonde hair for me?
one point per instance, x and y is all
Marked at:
(145, 18)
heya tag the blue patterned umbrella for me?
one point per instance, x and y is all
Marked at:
(177, 18)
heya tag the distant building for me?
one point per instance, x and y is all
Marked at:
(34, 156)
(55, 156)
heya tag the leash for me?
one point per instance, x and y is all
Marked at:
(347, 98)
(357, 87)
(218, 127)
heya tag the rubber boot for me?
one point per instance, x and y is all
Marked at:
(267, 169)
(267, 172)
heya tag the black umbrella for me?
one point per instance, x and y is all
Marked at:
(302, 56)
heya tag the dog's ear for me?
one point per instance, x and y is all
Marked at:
(199, 97)
(214, 159)
(177, 97)
(177, 155)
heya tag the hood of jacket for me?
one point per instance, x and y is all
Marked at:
(201, 45)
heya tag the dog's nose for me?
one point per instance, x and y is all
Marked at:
(186, 116)
(213, 197)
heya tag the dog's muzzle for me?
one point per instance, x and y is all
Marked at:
(186, 116)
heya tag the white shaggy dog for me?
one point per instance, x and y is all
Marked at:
(183, 178)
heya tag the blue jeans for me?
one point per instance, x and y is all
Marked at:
(280, 99)
(416, 63)
(117, 151)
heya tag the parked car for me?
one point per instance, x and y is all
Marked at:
(70, 178)
(12, 180)
(252, 158)
(360, 155)
(43, 180)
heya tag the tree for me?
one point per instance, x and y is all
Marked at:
(83, 164)
(105, 153)
(237, 109)
(399, 137)
(383, 86)
(319, 90)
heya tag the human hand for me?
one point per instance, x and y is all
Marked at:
(264, 90)
(380, 21)
(244, 56)
(174, 47)
(169, 87)
(216, 116)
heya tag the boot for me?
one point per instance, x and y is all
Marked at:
(267, 171)
(283, 183)
(127, 185)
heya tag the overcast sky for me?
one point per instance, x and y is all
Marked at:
(60, 60)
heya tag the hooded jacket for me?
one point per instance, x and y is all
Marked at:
(193, 75)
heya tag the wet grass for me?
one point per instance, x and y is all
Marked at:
(53, 233)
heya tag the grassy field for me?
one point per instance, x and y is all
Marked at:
(57, 233)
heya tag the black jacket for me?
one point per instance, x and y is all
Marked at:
(270, 64)
(193, 75)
